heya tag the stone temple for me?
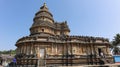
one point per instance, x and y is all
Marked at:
(49, 43)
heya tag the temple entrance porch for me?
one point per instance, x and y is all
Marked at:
(42, 57)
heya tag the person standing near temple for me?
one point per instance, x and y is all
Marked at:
(14, 62)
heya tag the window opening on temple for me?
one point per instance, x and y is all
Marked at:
(42, 30)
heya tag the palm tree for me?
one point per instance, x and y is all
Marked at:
(116, 43)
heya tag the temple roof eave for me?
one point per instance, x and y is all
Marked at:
(44, 11)
(70, 39)
(42, 26)
(36, 17)
(83, 43)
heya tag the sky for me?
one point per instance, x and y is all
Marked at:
(98, 18)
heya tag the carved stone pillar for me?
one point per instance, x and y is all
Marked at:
(27, 51)
(55, 48)
(22, 49)
(108, 50)
(77, 48)
(92, 49)
(52, 48)
(34, 49)
(38, 52)
(31, 52)
(80, 49)
(104, 50)
(96, 49)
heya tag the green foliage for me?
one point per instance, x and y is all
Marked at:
(8, 52)
(116, 50)
(116, 40)
(115, 43)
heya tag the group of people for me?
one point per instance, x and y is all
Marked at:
(1, 61)
(6, 64)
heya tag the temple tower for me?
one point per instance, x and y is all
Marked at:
(43, 22)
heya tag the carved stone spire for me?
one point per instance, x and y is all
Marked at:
(43, 18)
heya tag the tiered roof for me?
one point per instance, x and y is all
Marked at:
(43, 18)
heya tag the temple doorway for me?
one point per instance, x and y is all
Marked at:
(42, 53)
(99, 51)
(42, 57)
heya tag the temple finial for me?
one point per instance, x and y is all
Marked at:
(44, 6)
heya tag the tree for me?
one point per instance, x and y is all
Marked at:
(116, 43)
(116, 40)
(8, 52)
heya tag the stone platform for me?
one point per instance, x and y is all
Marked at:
(106, 65)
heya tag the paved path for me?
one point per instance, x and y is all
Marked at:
(110, 65)
(1, 66)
